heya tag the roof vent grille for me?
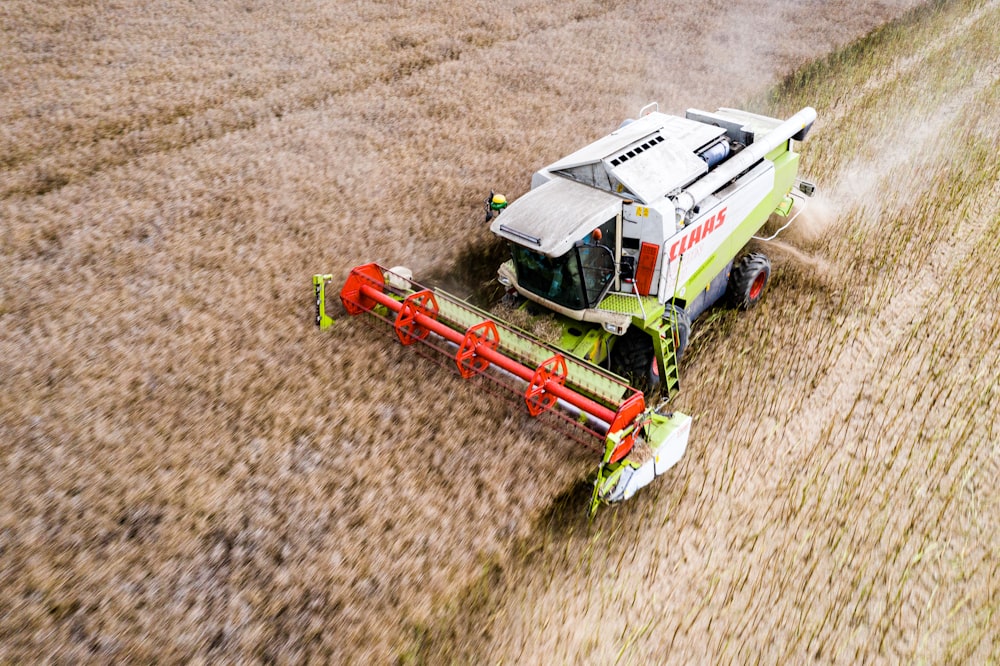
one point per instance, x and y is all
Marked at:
(626, 156)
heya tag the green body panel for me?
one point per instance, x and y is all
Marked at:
(643, 309)
(660, 427)
(786, 165)
(591, 345)
(662, 336)
(323, 320)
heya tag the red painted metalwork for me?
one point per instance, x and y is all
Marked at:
(539, 397)
(581, 402)
(408, 328)
(647, 264)
(758, 285)
(350, 295)
(481, 336)
(627, 414)
(366, 290)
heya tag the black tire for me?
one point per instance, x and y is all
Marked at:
(633, 358)
(680, 324)
(748, 280)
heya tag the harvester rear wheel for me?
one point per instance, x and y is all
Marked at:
(633, 358)
(748, 280)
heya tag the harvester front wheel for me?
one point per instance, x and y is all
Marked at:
(633, 358)
(680, 326)
(748, 280)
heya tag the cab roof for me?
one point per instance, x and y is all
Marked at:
(551, 217)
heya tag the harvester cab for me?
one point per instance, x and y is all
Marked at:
(624, 243)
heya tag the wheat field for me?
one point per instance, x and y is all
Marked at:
(841, 505)
(191, 471)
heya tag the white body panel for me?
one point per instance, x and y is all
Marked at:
(700, 239)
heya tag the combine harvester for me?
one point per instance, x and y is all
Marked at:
(624, 243)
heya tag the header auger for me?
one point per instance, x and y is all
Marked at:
(624, 243)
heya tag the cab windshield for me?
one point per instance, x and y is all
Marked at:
(575, 280)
